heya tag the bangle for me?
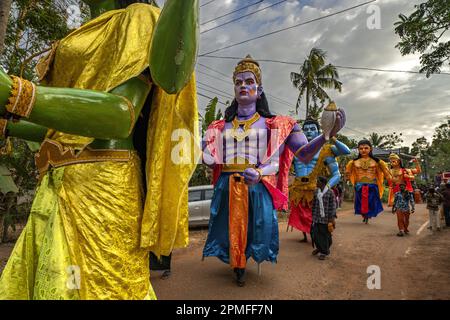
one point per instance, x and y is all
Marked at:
(260, 173)
(22, 97)
(3, 123)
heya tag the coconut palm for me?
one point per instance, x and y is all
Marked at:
(378, 140)
(314, 77)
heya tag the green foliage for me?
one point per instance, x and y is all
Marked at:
(351, 143)
(212, 113)
(435, 156)
(423, 32)
(386, 141)
(32, 27)
(201, 176)
(315, 76)
(23, 172)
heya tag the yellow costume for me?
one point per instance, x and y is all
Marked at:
(91, 226)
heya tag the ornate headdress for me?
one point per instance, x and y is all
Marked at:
(394, 156)
(250, 65)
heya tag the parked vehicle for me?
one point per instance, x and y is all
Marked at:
(199, 205)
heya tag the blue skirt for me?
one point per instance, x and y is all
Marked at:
(375, 206)
(262, 236)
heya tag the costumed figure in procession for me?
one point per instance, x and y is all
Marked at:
(251, 152)
(400, 175)
(367, 174)
(104, 125)
(301, 192)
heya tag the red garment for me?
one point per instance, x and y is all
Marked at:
(276, 185)
(405, 180)
(365, 199)
(300, 217)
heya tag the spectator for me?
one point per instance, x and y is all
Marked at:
(446, 205)
(323, 219)
(433, 200)
(403, 199)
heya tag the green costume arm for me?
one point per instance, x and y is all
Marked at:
(85, 112)
(26, 130)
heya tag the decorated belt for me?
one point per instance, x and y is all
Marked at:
(53, 154)
(236, 167)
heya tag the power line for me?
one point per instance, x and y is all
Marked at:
(210, 98)
(244, 16)
(234, 11)
(205, 4)
(208, 86)
(337, 66)
(284, 29)
(213, 92)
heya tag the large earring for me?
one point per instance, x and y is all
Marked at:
(260, 91)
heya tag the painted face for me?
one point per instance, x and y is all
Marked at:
(310, 131)
(402, 187)
(395, 162)
(364, 149)
(246, 89)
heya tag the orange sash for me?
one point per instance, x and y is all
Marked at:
(238, 220)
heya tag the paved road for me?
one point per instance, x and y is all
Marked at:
(413, 267)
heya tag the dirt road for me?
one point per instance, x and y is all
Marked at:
(413, 267)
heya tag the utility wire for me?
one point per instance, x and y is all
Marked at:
(211, 87)
(213, 92)
(210, 98)
(242, 17)
(234, 11)
(205, 4)
(287, 28)
(337, 66)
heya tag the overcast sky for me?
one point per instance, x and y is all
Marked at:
(374, 101)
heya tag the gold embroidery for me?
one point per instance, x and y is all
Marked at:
(365, 164)
(3, 124)
(239, 136)
(53, 154)
(302, 190)
(22, 97)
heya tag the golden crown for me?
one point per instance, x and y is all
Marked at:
(250, 65)
(393, 156)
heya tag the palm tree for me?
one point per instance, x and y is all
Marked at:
(377, 140)
(314, 77)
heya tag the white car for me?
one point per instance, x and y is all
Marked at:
(199, 205)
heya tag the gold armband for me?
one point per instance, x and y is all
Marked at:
(22, 97)
(260, 173)
(3, 123)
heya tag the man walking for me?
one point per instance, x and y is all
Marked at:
(433, 200)
(446, 195)
(323, 218)
(403, 199)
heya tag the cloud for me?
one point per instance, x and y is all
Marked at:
(374, 101)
